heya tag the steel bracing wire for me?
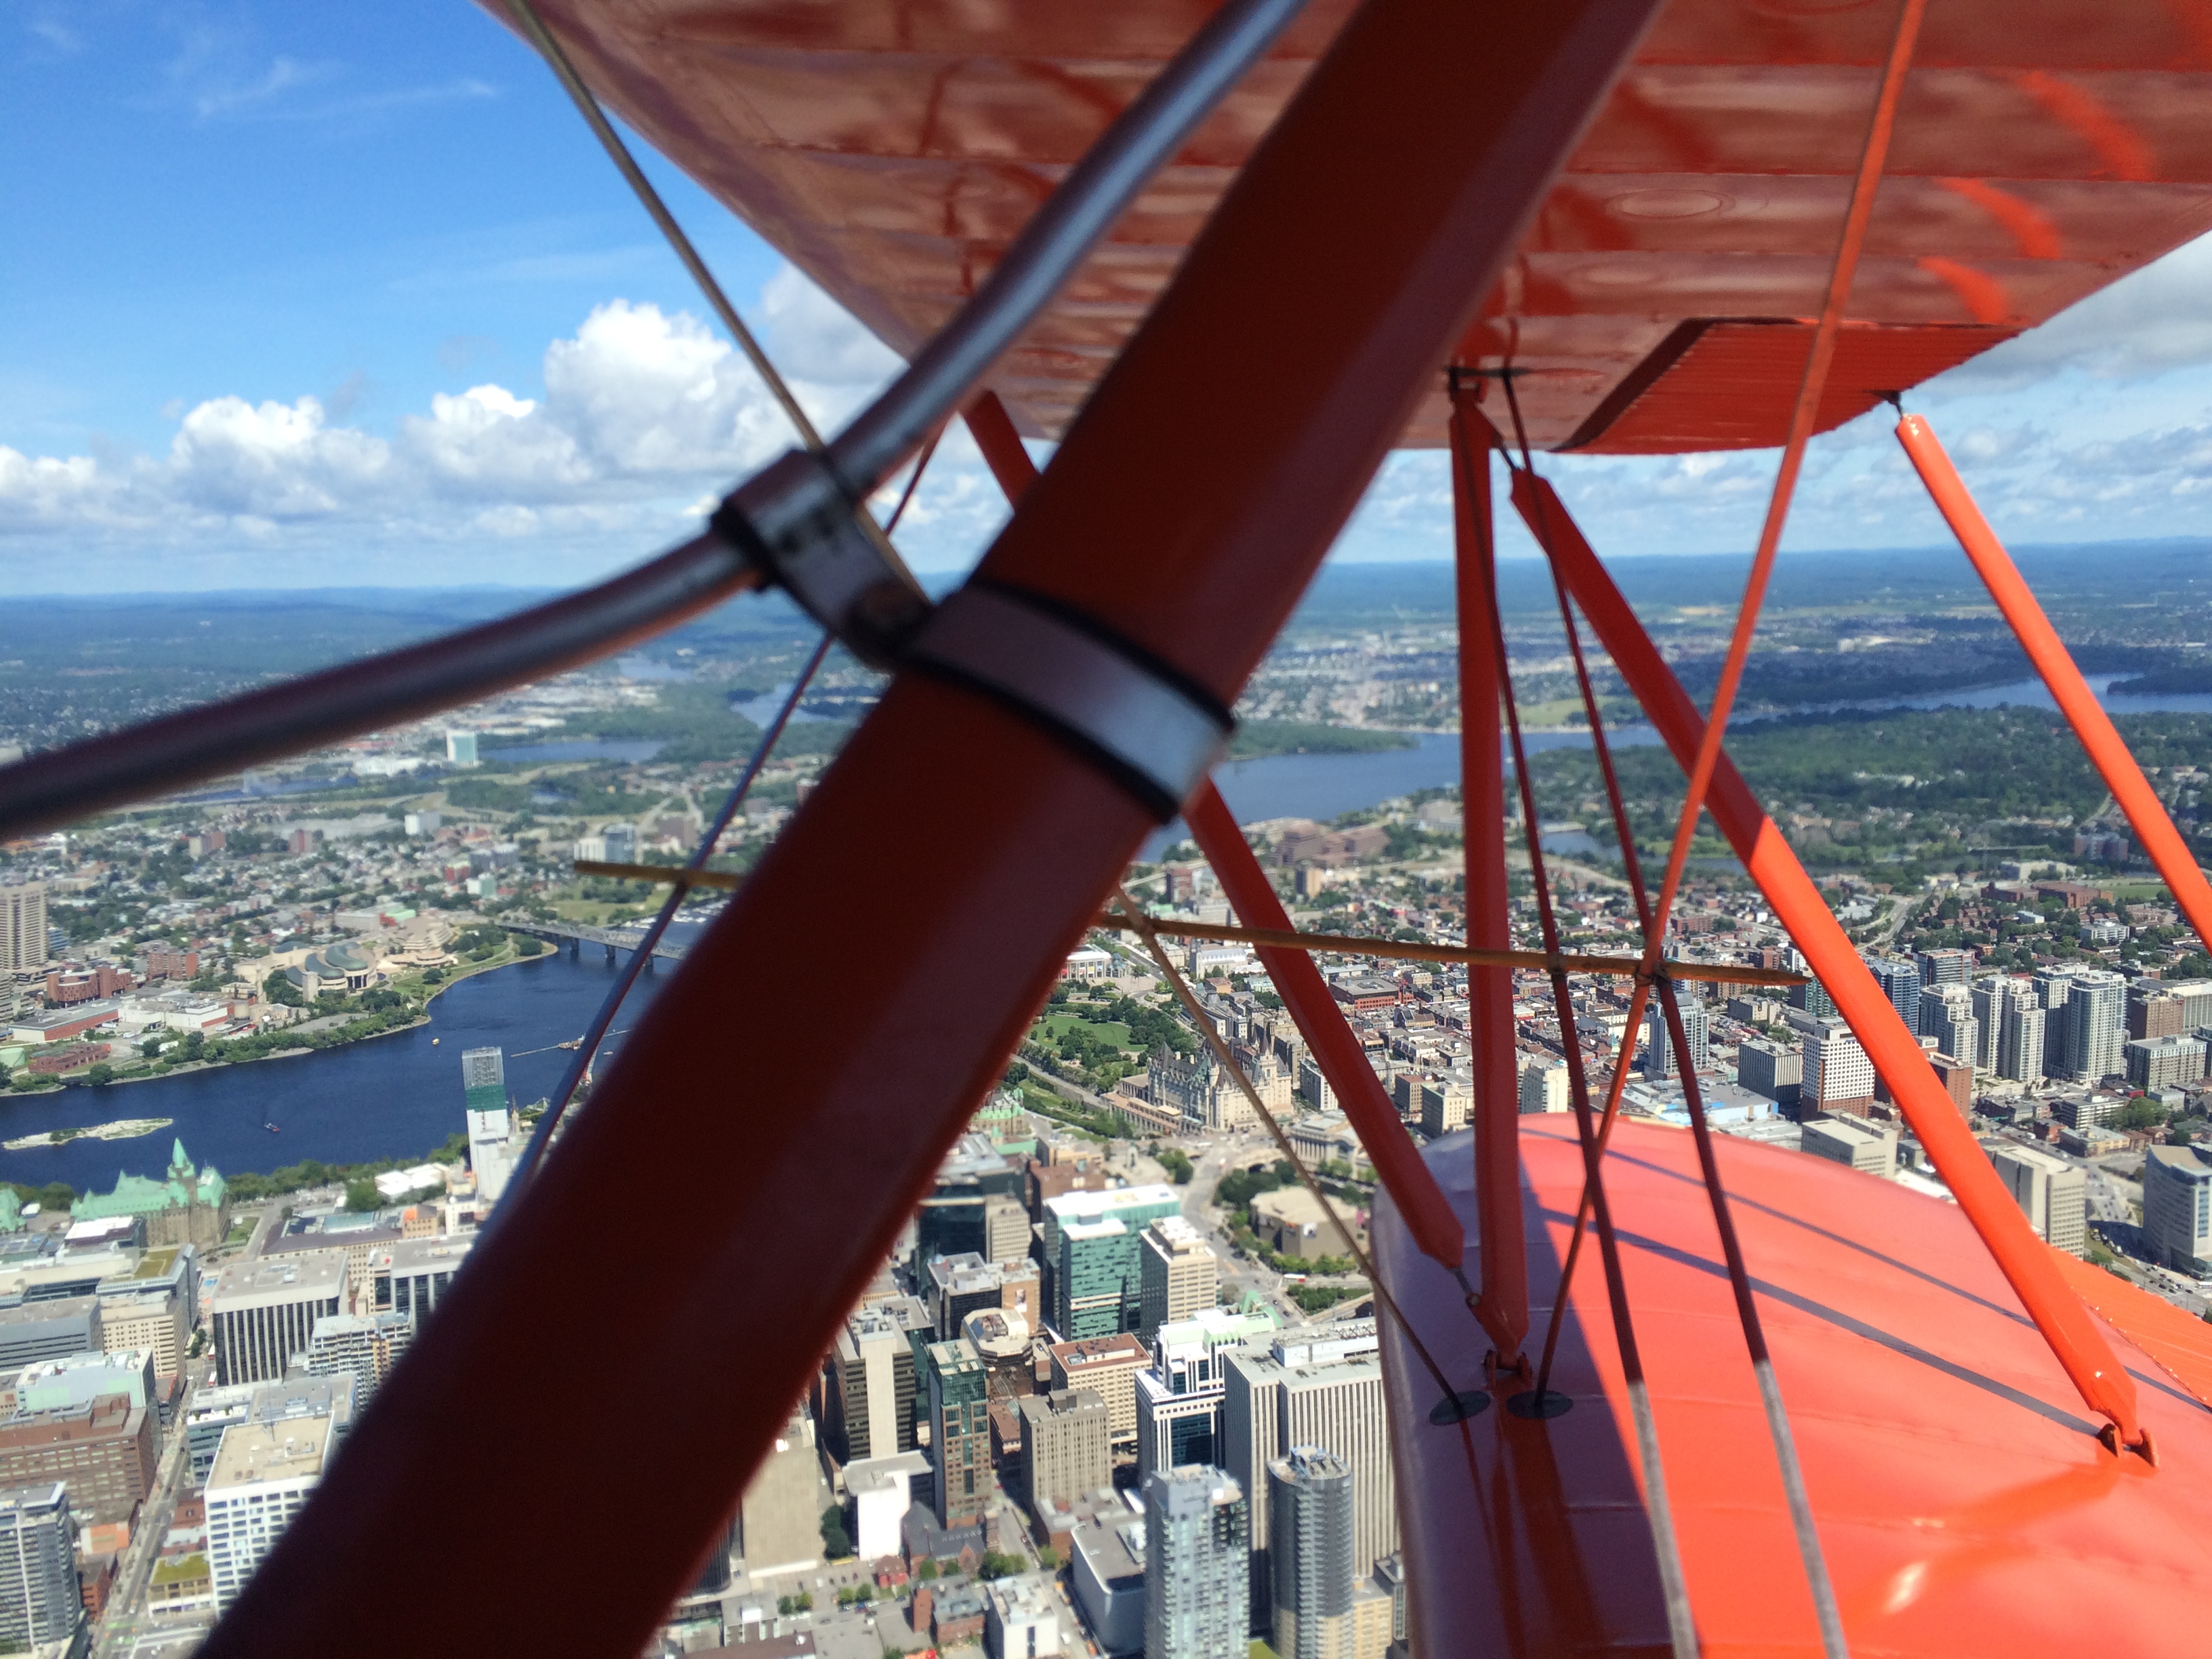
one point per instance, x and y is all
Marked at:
(1801, 1519)
(1874, 155)
(610, 1004)
(1666, 1546)
(1131, 914)
(541, 1137)
(47, 790)
(556, 57)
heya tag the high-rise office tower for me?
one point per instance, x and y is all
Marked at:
(1813, 997)
(1179, 1396)
(263, 1312)
(39, 1598)
(263, 1475)
(1659, 1049)
(1320, 1387)
(1090, 1240)
(2020, 1040)
(1776, 1070)
(1324, 1610)
(1947, 1013)
(1944, 967)
(1005, 1230)
(22, 927)
(2177, 1187)
(490, 1125)
(1066, 1446)
(1836, 1069)
(959, 1432)
(1900, 982)
(872, 1376)
(2096, 1026)
(1197, 1604)
(1177, 1274)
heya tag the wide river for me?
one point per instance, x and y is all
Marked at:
(400, 1095)
(392, 1096)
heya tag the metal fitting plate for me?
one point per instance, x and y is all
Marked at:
(1152, 729)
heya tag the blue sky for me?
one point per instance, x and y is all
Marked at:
(305, 295)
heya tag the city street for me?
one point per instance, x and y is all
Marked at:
(127, 1624)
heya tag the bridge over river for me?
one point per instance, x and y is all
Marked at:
(575, 935)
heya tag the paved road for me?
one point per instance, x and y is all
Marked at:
(127, 1621)
(1213, 1159)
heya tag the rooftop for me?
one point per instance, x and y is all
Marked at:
(1088, 1206)
(1123, 1350)
(290, 1450)
(296, 1277)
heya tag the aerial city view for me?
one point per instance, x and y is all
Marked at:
(1307, 911)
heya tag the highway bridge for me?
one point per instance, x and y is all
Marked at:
(575, 935)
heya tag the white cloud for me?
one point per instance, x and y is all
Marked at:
(2155, 319)
(644, 416)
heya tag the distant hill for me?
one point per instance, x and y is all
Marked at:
(2070, 577)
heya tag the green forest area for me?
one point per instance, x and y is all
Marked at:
(1918, 788)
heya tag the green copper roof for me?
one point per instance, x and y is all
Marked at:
(139, 1196)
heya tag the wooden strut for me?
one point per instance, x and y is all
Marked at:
(1342, 1060)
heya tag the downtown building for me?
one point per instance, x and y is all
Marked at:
(960, 1434)
(1177, 1275)
(1947, 1013)
(2165, 1062)
(214, 1412)
(1179, 1397)
(263, 1312)
(364, 1346)
(39, 1602)
(1067, 1451)
(1319, 1387)
(1839, 1076)
(2051, 1193)
(1900, 982)
(262, 1477)
(871, 1381)
(2176, 1185)
(104, 1450)
(2095, 1027)
(1658, 1046)
(1089, 1245)
(1197, 1603)
(1324, 1608)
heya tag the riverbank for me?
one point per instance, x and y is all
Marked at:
(343, 1035)
(349, 1105)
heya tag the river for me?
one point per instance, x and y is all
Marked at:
(391, 1097)
(1322, 786)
